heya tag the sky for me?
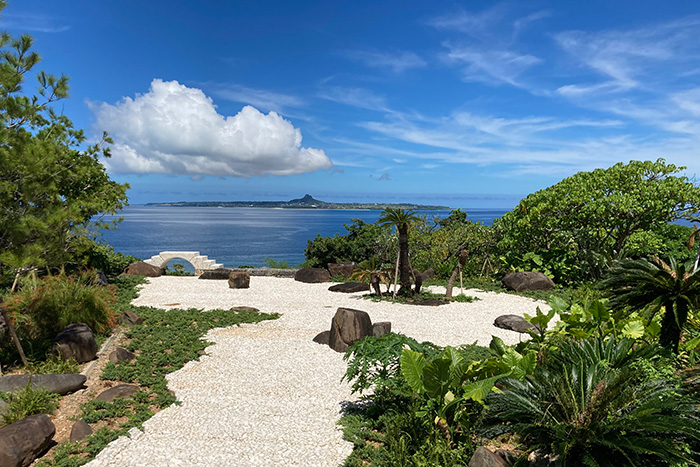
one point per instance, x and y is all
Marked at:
(467, 104)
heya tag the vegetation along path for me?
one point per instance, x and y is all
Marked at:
(266, 394)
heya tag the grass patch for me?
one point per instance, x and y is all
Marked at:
(387, 297)
(26, 402)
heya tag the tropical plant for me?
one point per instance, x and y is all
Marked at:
(641, 284)
(402, 219)
(369, 272)
(587, 404)
(27, 401)
(581, 223)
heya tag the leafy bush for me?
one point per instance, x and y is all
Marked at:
(26, 402)
(362, 242)
(587, 404)
(102, 257)
(60, 300)
(277, 264)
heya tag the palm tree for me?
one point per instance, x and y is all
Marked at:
(695, 235)
(641, 284)
(402, 219)
(369, 271)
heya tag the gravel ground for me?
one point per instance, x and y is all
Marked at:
(265, 394)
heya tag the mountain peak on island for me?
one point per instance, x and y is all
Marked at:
(307, 199)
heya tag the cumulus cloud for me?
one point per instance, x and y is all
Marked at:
(173, 129)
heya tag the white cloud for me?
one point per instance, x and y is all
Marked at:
(33, 22)
(174, 129)
(486, 65)
(355, 97)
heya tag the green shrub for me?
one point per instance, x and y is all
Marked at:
(57, 301)
(54, 365)
(26, 402)
(103, 258)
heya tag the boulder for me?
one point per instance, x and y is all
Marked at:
(129, 318)
(348, 326)
(344, 269)
(312, 275)
(121, 355)
(484, 458)
(24, 441)
(143, 269)
(322, 337)
(76, 341)
(121, 390)
(349, 287)
(514, 323)
(528, 280)
(101, 279)
(381, 328)
(238, 280)
(427, 274)
(216, 274)
(3, 327)
(80, 431)
(57, 384)
(244, 308)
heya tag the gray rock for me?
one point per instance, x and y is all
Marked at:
(238, 280)
(216, 274)
(143, 269)
(514, 323)
(76, 341)
(484, 458)
(122, 390)
(24, 441)
(129, 318)
(121, 355)
(344, 269)
(3, 327)
(348, 326)
(57, 384)
(381, 328)
(244, 308)
(528, 280)
(349, 287)
(322, 337)
(101, 279)
(80, 431)
(312, 275)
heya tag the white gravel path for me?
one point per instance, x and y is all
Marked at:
(265, 394)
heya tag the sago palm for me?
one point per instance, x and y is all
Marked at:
(402, 219)
(641, 284)
(596, 410)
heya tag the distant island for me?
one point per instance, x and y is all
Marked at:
(307, 202)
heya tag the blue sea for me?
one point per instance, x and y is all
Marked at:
(239, 236)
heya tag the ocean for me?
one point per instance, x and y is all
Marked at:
(239, 236)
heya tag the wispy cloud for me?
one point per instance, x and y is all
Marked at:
(355, 97)
(398, 62)
(486, 65)
(259, 98)
(33, 22)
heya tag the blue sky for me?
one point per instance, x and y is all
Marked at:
(469, 104)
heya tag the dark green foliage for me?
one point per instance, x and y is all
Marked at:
(26, 402)
(587, 404)
(578, 226)
(103, 258)
(363, 241)
(275, 264)
(640, 284)
(53, 365)
(57, 301)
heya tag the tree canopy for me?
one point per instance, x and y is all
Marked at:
(51, 183)
(588, 219)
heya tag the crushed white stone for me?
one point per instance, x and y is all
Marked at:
(267, 395)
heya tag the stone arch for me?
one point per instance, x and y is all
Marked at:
(201, 263)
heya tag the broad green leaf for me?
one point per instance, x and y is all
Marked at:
(497, 345)
(412, 364)
(436, 378)
(478, 390)
(558, 304)
(599, 312)
(633, 329)
(525, 366)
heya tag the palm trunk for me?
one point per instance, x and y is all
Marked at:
(396, 273)
(404, 268)
(463, 256)
(672, 324)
